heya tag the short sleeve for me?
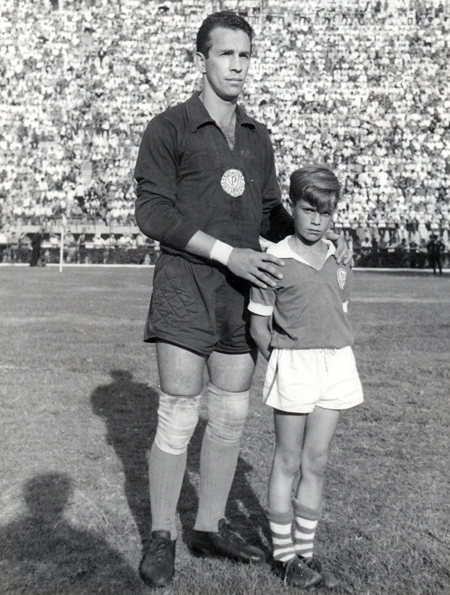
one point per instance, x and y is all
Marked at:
(262, 301)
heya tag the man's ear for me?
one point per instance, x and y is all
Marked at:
(199, 61)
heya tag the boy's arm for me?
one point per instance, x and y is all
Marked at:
(261, 333)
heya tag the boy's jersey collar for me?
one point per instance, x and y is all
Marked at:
(283, 250)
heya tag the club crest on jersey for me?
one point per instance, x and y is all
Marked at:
(341, 277)
(233, 182)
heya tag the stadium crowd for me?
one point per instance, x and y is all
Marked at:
(360, 86)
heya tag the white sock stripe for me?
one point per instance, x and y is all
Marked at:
(305, 553)
(280, 529)
(281, 540)
(304, 536)
(300, 547)
(285, 557)
(305, 523)
(283, 552)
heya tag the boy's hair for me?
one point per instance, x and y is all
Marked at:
(316, 184)
(225, 19)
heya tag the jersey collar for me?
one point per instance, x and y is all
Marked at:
(283, 250)
(198, 114)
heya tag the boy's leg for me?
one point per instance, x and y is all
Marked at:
(280, 524)
(320, 429)
(289, 431)
(319, 432)
(289, 437)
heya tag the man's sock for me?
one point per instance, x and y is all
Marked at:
(218, 460)
(166, 472)
(280, 524)
(177, 419)
(219, 454)
(306, 520)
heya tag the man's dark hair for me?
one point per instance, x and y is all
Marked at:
(316, 184)
(225, 19)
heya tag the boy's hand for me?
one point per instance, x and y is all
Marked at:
(343, 253)
(260, 268)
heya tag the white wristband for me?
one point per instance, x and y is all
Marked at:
(221, 252)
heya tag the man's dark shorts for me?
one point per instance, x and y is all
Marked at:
(199, 307)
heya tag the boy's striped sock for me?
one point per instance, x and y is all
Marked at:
(281, 532)
(306, 520)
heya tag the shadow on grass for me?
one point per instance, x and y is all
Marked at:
(43, 553)
(129, 409)
(130, 412)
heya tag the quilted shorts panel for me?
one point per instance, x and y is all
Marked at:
(199, 307)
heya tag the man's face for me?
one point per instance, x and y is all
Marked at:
(227, 63)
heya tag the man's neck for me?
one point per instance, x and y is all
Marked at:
(221, 111)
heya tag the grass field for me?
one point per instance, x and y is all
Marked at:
(78, 408)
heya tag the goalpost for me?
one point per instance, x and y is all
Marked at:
(61, 245)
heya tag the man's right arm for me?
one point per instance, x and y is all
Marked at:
(156, 174)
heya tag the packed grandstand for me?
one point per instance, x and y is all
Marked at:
(359, 85)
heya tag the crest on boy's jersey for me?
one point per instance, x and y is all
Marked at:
(341, 277)
(233, 182)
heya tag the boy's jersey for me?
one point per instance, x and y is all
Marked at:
(309, 306)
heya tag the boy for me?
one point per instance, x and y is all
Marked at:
(301, 327)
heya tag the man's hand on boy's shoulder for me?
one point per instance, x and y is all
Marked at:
(343, 252)
(261, 268)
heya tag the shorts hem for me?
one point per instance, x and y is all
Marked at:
(177, 344)
(240, 352)
(159, 339)
(289, 410)
(341, 407)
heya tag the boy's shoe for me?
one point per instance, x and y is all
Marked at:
(296, 573)
(328, 579)
(157, 567)
(225, 544)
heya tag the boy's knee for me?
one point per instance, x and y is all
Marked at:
(289, 462)
(227, 413)
(177, 420)
(315, 464)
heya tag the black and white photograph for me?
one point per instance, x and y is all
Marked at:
(228, 372)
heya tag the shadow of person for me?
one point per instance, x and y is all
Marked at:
(129, 409)
(43, 553)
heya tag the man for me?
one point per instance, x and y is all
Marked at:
(206, 189)
(435, 249)
(36, 241)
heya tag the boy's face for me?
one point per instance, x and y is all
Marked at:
(310, 225)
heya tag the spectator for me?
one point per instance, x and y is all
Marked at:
(368, 96)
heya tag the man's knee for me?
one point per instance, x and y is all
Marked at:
(227, 412)
(177, 420)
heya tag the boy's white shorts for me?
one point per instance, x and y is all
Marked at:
(299, 379)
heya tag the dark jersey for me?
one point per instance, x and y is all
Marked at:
(189, 179)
